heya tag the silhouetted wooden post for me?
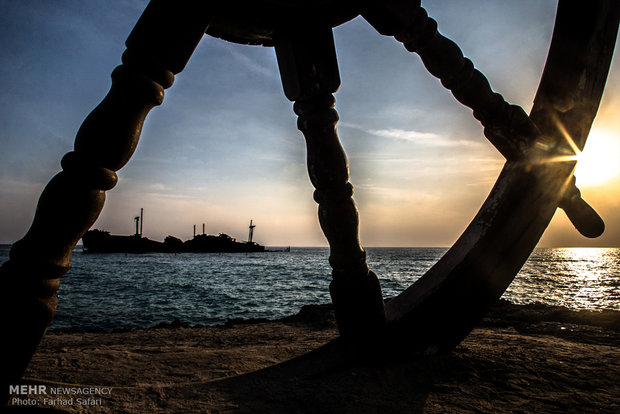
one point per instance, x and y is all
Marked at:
(158, 47)
(309, 71)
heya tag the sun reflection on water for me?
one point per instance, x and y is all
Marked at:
(584, 278)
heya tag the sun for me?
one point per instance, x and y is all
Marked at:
(599, 163)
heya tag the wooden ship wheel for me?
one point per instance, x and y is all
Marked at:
(443, 306)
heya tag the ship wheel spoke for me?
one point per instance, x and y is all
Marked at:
(309, 72)
(507, 127)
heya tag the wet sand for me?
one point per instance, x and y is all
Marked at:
(521, 359)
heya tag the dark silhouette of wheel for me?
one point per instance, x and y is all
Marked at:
(439, 309)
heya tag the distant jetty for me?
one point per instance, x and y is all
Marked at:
(99, 241)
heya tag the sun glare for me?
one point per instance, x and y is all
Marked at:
(599, 163)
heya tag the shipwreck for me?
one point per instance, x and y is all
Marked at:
(100, 241)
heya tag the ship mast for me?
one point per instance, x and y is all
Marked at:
(139, 219)
(251, 232)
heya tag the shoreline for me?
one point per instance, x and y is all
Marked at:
(502, 313)
(518, 360)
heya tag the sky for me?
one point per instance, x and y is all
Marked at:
(224, 148)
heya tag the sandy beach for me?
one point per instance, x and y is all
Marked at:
(522, 359)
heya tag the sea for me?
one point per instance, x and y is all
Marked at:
(125, 291)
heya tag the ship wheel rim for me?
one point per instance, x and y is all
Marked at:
(441, 307)
(437, 311)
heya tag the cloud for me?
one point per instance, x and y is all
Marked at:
(403, 134)
(428, 139)
(158, 187)
(248, 58)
